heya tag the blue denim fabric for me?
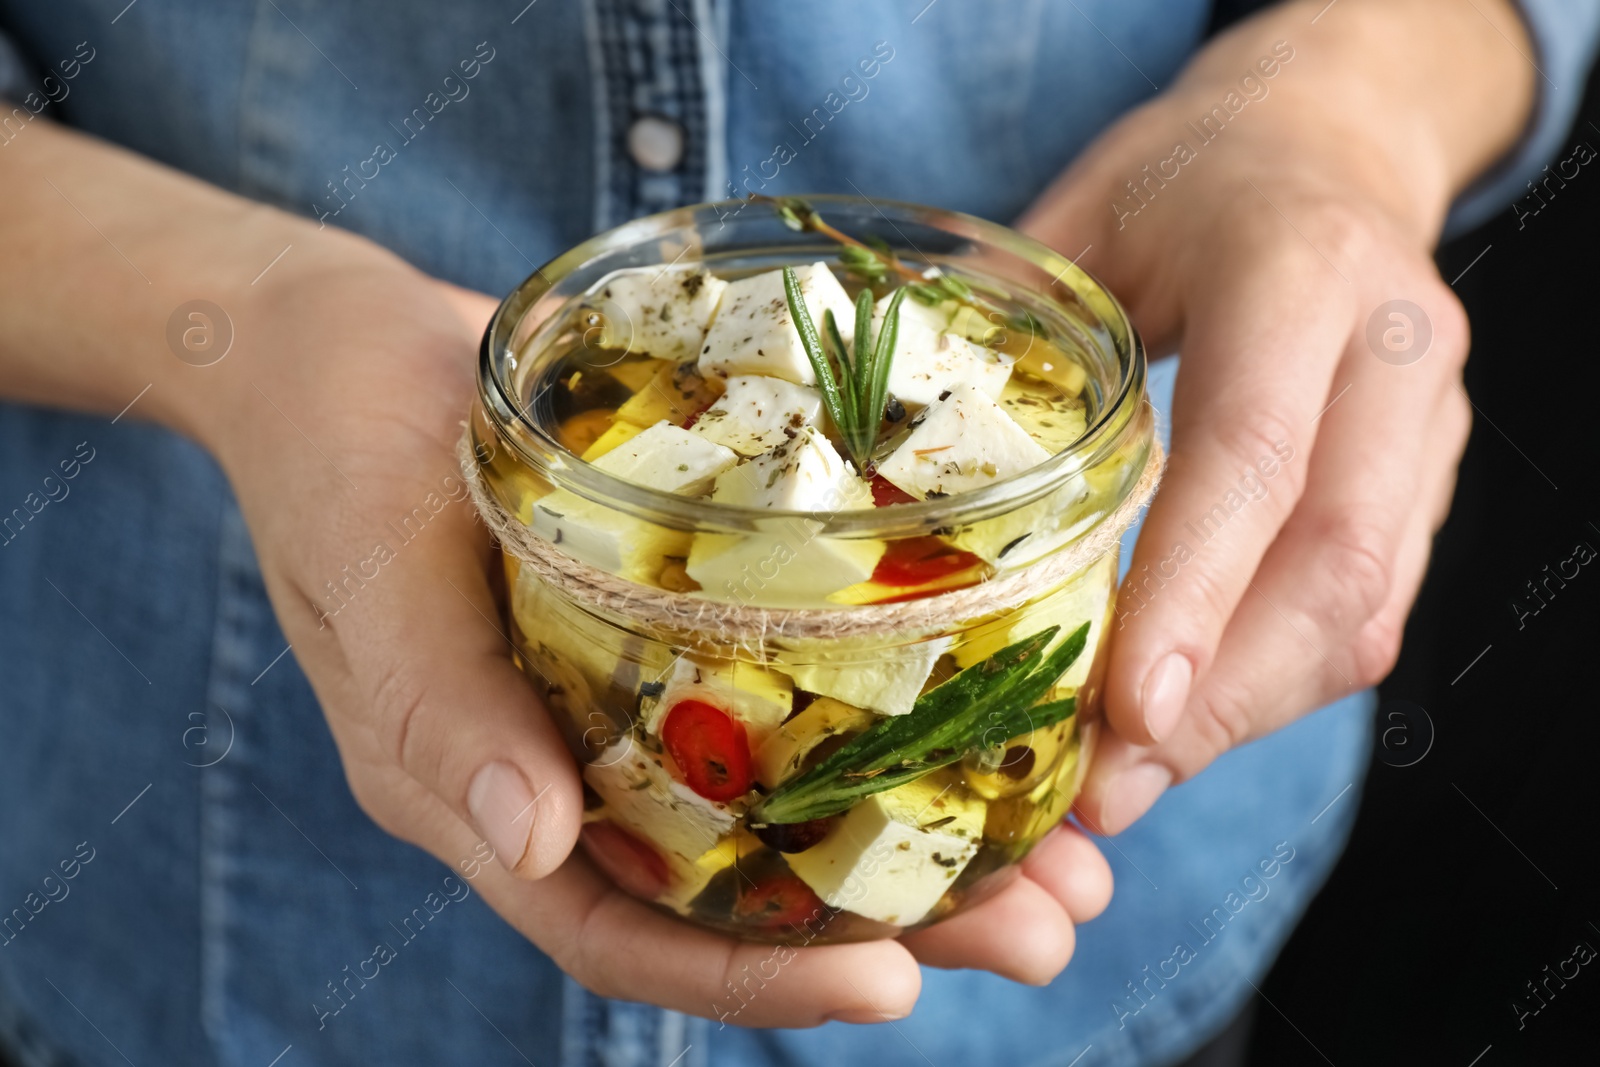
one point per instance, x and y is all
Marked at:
(1565, 34)
(233, 909)
(226, 897)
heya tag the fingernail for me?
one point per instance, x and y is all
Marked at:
(862, 1016)
(1132, 793)
(1166, 691)
(502, 805)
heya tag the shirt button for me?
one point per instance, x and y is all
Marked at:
(655, 143)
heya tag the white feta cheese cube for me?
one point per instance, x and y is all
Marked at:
(758, 698)
(885, 680)
(757, 414)
(753, 334)
(928, 360)
(881, 863)
(668, 458)
(803, 473)
(916, 318)
(663, 457)
(964, 441)
(618, 544)
(641, 795)
(661, 312)
(785, 561)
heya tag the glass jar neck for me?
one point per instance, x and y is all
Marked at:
(737, 233)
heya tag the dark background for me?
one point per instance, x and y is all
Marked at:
(1436, 919)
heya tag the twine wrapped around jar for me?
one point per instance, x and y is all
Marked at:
(745, 626)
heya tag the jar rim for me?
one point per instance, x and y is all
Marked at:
(537, 446)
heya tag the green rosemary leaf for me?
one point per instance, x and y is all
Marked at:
(876, 384)
(809, 340)
(887, 742)
(863, 321)
(954, 287)
(856, 395)
(796, 213)
(985, 705)
(878, 243)
(1043, 716)
(866, 426)
(925, 294)
(864, 263)
(849, 392)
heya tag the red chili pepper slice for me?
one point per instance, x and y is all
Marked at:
(885, 492)
(694, 416)
(920, 560)
(777, 901)
(710, 746)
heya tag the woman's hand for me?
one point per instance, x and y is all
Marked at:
(1316, 426)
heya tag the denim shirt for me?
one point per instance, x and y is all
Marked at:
(227, 902)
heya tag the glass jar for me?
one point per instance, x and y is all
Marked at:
(803, 639)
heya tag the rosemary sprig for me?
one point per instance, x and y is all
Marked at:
(872, 261)
(985, 705)
(944, 287)
(857, 395)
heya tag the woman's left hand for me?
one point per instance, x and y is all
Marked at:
(1319, 414)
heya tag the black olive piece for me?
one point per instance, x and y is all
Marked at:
(802, 701)
(894, 411)
(794, 836)
(1018, 763)
(596, 388)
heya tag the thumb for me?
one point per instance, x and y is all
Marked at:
(425, 646)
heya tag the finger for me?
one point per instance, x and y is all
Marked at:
(1259, 355)
(428, 652)
(1264, 666)
(474, 308)
(1266, 674)
(1068, 866)
(1284, 654)
(1388, 448)
(1021, 932)
(616, 946)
